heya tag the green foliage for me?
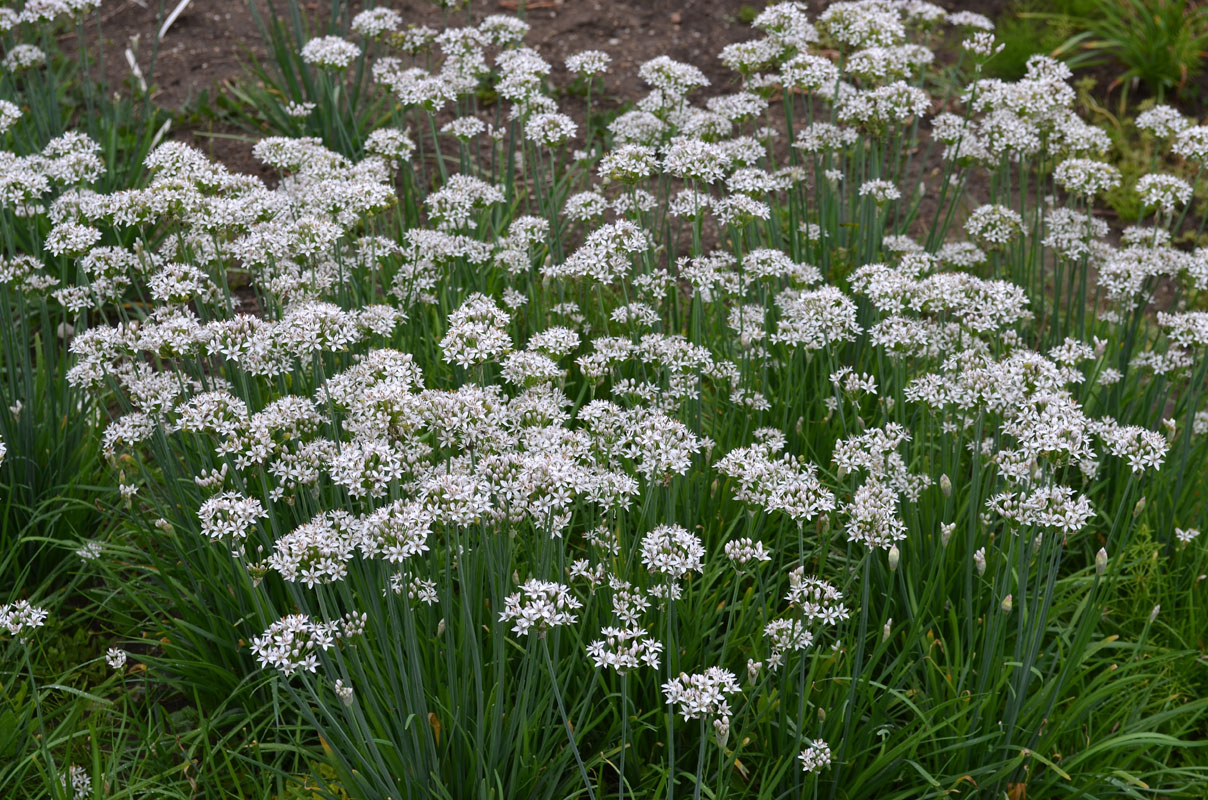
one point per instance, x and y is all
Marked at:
(1031, 27)
(1159, 43)
(342, 114)
(982, 656)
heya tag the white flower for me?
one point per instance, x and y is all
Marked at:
(22, 57)
(477, 333)
(672, 551)
(881, 192)
(293, 643)
(1186, 329)
(672, 78)
(455, 203)
(81, 782)
(815, 756)
(1163, 122)
(390, 143)
(744, 550)
(71, 238)
(787, 635)
(702, 695)
(20, 618)
(330, 52)
(1192, 144)
(993, 226)
(230, 516)
(1163, 192)
(316, 552)
(374, 22)
(588, 62)
(9, 114)
(1086, 177)
(624, 649)
(550, 130)
(1186, 535)
(90, 550)
(539, 606)
(299, 110)
(343, 691)
(115, 658)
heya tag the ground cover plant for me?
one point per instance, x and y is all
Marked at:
(812, 435)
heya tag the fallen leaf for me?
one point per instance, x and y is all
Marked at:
(435, 723)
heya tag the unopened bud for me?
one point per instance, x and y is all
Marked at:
(800, 425)
(1006, 604)
(979, 559)
(753, 668)
(1154, 614)
(440, 627)
(946, 530)
(1101, 561)
(887, 630)
(1139, 507)
(895, 556)
(946, 485)
(821, 714)
(721, 727)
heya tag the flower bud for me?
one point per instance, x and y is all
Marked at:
(895, 556)
(946, 530)
(1101, 561)
(887, 630)
(1139, 507)
(946, 485)
(979, 559)
(1006, 604)
(1172, 428)
(1154, 614)
(440, 627)
(721, 727)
